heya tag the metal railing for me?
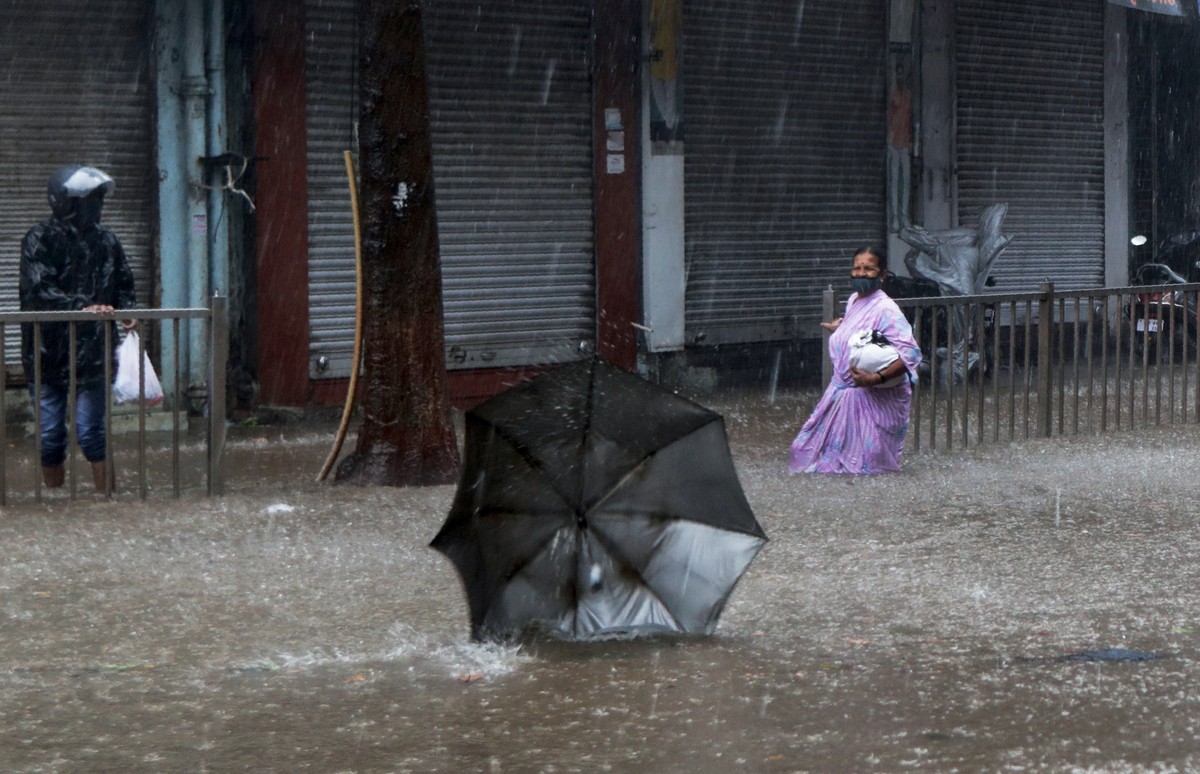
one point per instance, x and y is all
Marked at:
(215, 319)
(1052, 363)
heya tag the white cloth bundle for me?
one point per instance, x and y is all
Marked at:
(871, 351)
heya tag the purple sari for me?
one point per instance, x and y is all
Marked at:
(860, 429)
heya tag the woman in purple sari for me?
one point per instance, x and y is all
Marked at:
(859, 426)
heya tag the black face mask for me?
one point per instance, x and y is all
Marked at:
(865, 286)
(87, 212)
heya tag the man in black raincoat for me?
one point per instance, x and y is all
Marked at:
(72, 263)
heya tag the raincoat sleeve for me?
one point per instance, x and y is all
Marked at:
(895, 326)
(40, 284)
(123, 285)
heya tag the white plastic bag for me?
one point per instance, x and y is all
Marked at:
(126, 387)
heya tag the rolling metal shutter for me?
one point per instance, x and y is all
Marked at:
(1030, 109)
(511, 111)
(76, 90)
(331, 93)
(512, 158)
(785, 174)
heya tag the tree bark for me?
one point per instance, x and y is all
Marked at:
(406, 437)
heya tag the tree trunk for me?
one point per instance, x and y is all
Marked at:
(407, 437)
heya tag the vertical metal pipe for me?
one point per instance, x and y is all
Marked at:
(950, 375)
(933, 377)
(827, 316)
(141, 450)
(981, 345)
(1045, 359)
(175, 407)
(960, 406)
(1075, 352)
(963, 313)
(1058, 360)
(1164, 329)
(1091, 351)
(174, 209)
(3, 423)
(1146, 371)
(1012, 370)
(1104, 364)
(1197, 329)
(967, 396)
(1028, 364)
(1170, 369)
(109, 469)
(37, 411)
(219, 343)
(72, 399)
(916, 398)
(196, 94)
(996, 370)
(1132, 365)
(1183, 366)
(215, 131)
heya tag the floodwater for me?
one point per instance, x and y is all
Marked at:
(916, 621)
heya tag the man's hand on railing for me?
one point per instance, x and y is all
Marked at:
(102, 308)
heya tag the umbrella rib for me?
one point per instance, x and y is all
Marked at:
(535, 464)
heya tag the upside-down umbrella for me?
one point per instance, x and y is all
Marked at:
(593, 502)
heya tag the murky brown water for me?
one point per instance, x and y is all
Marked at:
(907, 622)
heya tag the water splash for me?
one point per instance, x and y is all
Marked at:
(461, 659)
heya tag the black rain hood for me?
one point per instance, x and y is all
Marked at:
(65, 268)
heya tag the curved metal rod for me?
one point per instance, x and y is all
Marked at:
(352, 390)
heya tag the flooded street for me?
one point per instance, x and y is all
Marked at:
(916, 621)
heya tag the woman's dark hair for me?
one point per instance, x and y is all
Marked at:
(879, 254)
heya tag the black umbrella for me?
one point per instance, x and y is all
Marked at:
(595, 502)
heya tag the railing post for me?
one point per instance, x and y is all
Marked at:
(1045, 357)
(826, 316)
(4, 419)
(219, 352)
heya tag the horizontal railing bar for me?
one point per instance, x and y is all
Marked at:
(1034, 295)
(120, 314)
(990, 298)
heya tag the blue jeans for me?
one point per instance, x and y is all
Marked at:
(89, 421)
